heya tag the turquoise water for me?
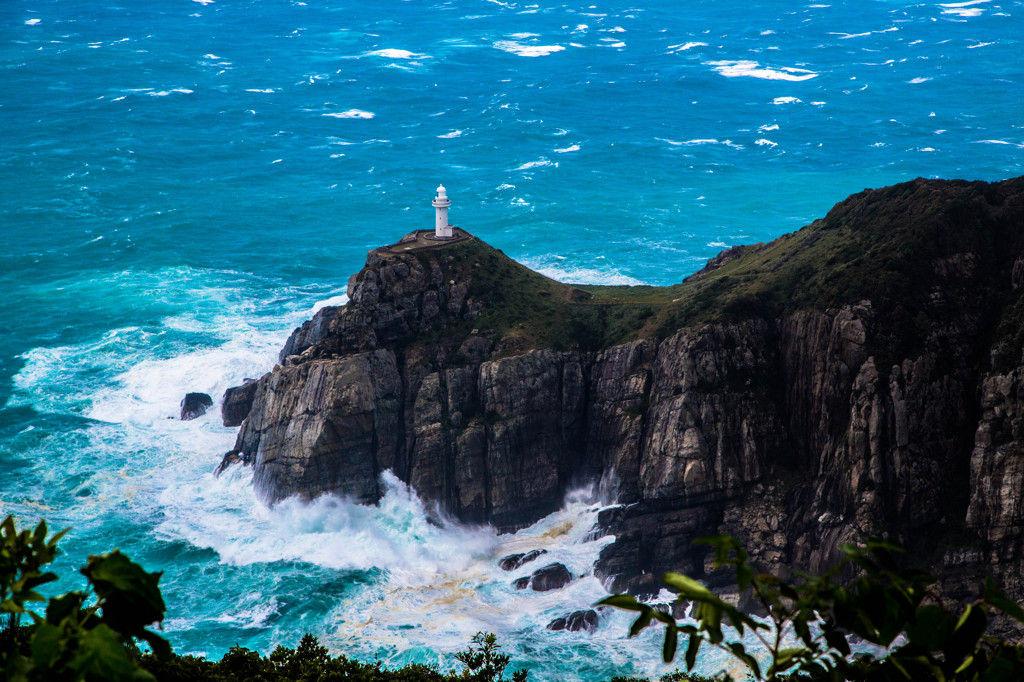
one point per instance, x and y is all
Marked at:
(183, 182)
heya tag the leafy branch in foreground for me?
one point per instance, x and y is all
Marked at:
(807, 631)
(83, 635)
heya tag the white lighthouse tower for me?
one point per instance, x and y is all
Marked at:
(442, 230)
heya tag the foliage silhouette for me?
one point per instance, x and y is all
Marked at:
(810, 622)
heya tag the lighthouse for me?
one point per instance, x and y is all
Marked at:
(442, 230)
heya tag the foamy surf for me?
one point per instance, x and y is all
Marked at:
(751, 69)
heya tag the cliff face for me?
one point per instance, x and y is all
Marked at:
(861, 376)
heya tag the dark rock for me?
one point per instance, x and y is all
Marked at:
(551, 577)
(576, 621)
(230, 457)
(195, 405)
(521, 583)
(514, 561)
(237, 403)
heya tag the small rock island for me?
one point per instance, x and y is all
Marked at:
(861, 376)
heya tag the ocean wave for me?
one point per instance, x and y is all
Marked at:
(964, 9)
(351, 113)
(786, 100)
(686, 46)
(517, 48)
(565, 150)
(752, 69)
(1012, 144)
(165, 93)
(392, 53)
(541, 163)
(699, 142)
(454, 133)
(572, 274)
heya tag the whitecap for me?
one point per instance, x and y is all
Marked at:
(454, 133)
(336, 301)
(700, 141)
(718, 245)
(516, 48)
(165, 93)
(919, 79)
(617, 29)
(534, 164)
(204, 2)
(391, 53)
(570, 274)
(32, 22)
(762, 142)
(351, 113)
(972, 47)
(686, 46)
(767, 128)
(570, 148)
(619, 44)
(524, 36)
(748, 68)
(960, 8)
(1012, 144)
(580, 28)
(786, 100)
(267, 90)
(505, 185)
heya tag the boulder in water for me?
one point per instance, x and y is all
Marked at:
(576, 621)
(195, 405)
(551, 577)
(514, 561)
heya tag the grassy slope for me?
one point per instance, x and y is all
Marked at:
(881, 245)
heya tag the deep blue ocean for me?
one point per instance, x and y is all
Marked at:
(184, 181)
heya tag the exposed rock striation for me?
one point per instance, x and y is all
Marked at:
(861, 376)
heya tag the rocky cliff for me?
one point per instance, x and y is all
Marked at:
(861, 376)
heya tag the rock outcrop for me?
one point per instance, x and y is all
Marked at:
(576, 621)
(195, 405)
(862, 376)
(237, 402)
(551, 577)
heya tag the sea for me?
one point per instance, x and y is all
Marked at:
(182, 182)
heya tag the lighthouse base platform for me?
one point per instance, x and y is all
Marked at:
(426, 239)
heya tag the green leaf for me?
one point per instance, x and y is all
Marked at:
(46, 646)
(668, 651)
(160, 646)
(130, 596)
(691, 651)
(642, 621)
(997, 598)
(966, 634)
(102, 655)
(931, 628)
(621, 601)
(740, 652)
(687, 587)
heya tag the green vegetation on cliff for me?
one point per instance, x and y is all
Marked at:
(913, 249)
